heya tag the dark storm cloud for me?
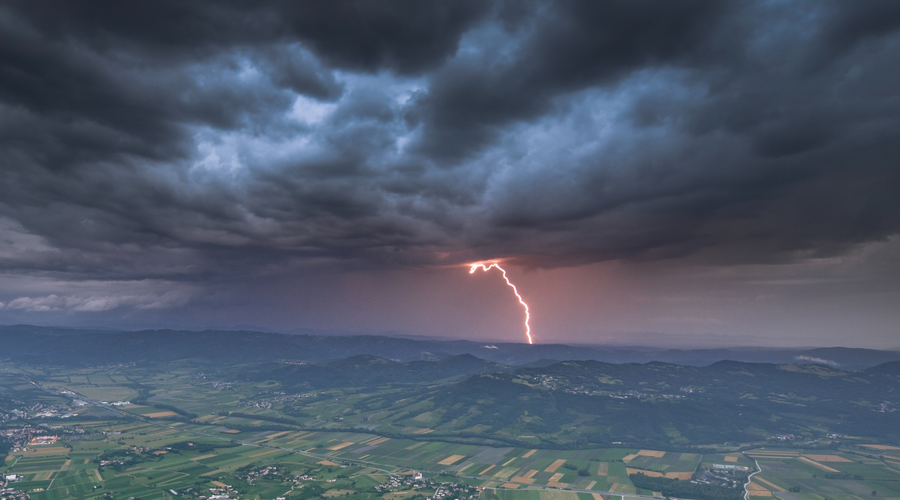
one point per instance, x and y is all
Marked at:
(194, 140)
(573, 45)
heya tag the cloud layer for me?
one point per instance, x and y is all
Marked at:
(200, 142)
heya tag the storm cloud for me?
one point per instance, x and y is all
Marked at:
(186, 142)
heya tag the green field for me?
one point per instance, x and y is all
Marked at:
(196, 429)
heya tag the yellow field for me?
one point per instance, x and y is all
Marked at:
(769, 483)
(554, 481)
(506, 472)
(880, 447)
(612, 488)
(65, 465)
(817, 464)
(301, 437)
(596, 496)
(629, 457)
(758, 491)
(510, 486)
(651, 453)
(232, 431)
(341, 446)
(44, 476)
(731, 458)
(203, 457)
(555, 465)
(532, 452)
(485, 471)
(452, 459)
(602, 469)
(650, 473)
(376, 442)
(160, 414)
(423, 431)
(219, 484)
(827, 458)
(773, 454)
(328, 463)
(264, 453)
(685, 476)
(522, 479)
(55, 450)
(98, 476)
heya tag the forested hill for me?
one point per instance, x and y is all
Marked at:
(367, 371)
(659, 404)
(71, 347)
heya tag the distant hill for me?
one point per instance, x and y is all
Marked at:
(72, 347)
(660, 404)
(368, 371)
(889, 368)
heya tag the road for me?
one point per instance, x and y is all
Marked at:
(750, 478)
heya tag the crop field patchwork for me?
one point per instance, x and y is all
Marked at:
(221, 431)
(789, 475)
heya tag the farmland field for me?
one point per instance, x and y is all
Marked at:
(192, 430)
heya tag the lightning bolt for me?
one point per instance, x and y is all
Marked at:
(487, 266)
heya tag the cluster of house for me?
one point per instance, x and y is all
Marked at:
(638, 395)
(7, 493)
(721, 475)
(38, 410)
(454, 491)
(220, 493)
(265, 471)
(444, 491)
(731, 467)
(43, 440)
(27, 435)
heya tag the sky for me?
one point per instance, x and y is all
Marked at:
(669, 173)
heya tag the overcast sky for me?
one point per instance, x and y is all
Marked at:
(715, 172)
